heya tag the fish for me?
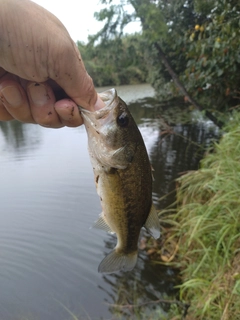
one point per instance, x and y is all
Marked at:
(123, 179)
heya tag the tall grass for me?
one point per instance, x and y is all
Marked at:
(209, 219)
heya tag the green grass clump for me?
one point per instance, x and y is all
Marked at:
(209, 232)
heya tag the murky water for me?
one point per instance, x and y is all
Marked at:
(48, 202)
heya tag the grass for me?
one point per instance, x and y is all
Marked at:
(209, 231)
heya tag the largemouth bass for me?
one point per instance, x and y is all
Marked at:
(123, 178)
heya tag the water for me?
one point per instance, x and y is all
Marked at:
(48, 202)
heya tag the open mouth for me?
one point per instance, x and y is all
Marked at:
(108, 96)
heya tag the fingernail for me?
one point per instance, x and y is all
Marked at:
(38, 94)
(99, 104)
(12, 95)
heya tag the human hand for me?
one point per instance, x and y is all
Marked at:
(42, 75)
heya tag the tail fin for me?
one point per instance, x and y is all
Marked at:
(115, 261)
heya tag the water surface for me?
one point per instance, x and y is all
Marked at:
(48, 202)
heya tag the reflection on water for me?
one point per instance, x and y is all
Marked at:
(14, 137)
(48, 201)
(175, 152)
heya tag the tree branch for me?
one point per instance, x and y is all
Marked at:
(183, 89)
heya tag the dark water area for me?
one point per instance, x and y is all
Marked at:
(175, 153)
(48, 202)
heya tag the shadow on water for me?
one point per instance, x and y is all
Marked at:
(176, 141)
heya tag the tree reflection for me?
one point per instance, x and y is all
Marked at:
(176, 151)
(18, 136)
(174, 141)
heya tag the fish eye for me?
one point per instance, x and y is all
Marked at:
(123, 120)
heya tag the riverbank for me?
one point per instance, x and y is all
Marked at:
(208, 230)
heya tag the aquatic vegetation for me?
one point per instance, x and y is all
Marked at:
(209, 231)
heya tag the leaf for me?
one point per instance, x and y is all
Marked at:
(220, 72)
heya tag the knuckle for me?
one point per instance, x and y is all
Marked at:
(47, 121)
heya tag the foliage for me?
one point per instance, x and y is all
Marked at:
(209, 231)
(162, 22)
(213, 53)
(200, 39)
(115, 61)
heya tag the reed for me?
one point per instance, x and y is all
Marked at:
(209, 231)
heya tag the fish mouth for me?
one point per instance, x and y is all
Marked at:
(110, 98)
(96, 121)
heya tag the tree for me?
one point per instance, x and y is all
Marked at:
(115, 61)
(193, 44)
(213, 68)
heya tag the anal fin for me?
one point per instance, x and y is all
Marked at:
(152, 224)
(102, 224)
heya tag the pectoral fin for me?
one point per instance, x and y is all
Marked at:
(152, 224)
(102, 224)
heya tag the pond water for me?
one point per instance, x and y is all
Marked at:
(48, 202)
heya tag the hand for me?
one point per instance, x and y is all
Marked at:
(42, 75)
